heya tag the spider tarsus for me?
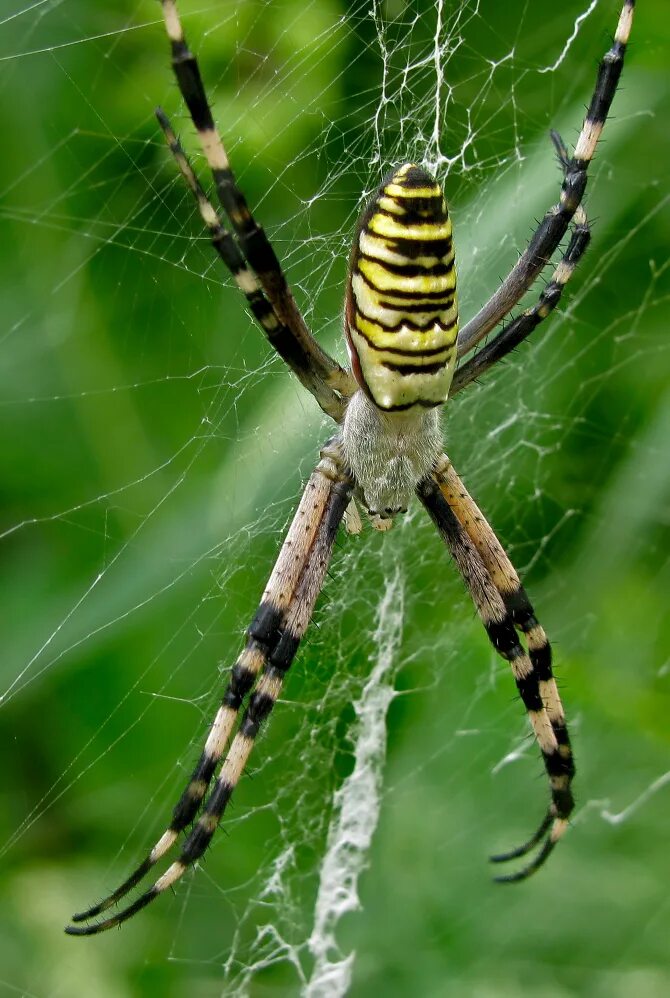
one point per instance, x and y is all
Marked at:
(132, 881)
(528, 846)
(533, 867)
(78, 930)
(113, 920)
(94, 911)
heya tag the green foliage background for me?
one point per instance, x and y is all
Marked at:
(149, 466)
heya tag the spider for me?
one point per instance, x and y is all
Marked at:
(401, 328)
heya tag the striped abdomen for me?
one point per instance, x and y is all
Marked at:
(401, 315)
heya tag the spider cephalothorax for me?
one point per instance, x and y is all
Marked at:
(401, 327)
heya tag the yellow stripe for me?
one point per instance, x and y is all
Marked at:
(387, 309)
(377, 323)
(390, 204)
(390, 357)
(415, 341)
(382, 225)
(385, 280)
(380, 249)
(394, 190)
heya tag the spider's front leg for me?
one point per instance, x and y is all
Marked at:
(272, 642)
(523, 325)
(505, 610)
(552, 228)
(248, 253)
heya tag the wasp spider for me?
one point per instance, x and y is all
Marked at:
(401, 327)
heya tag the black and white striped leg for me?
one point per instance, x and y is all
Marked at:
(288, 346)
(501, 628)
(507, 582)
(328, 381)
(272, 642)
(518, 329)
(260, 637)
(554, 225)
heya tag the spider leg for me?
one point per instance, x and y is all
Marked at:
(272, 642)
(504, 609)
(317, 370)
(516, 331)
(554, 225)
(506, 580)
(291, 349)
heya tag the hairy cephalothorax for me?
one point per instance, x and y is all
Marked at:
(388, 454)
(401, 325)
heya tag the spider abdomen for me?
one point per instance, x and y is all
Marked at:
(401, 314)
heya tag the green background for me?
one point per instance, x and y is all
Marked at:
(153, 450)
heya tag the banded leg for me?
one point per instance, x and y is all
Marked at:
(501, 621)
(289, 348)
(516, 601)
(516, 331)
(322, 375)
(554, 225)
(272, 642)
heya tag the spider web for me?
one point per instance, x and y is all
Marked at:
(154, 451)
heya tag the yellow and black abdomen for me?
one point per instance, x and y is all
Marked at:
(401, 315)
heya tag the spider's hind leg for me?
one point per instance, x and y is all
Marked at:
(561, 766)
(272, 642)
(506, 613)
